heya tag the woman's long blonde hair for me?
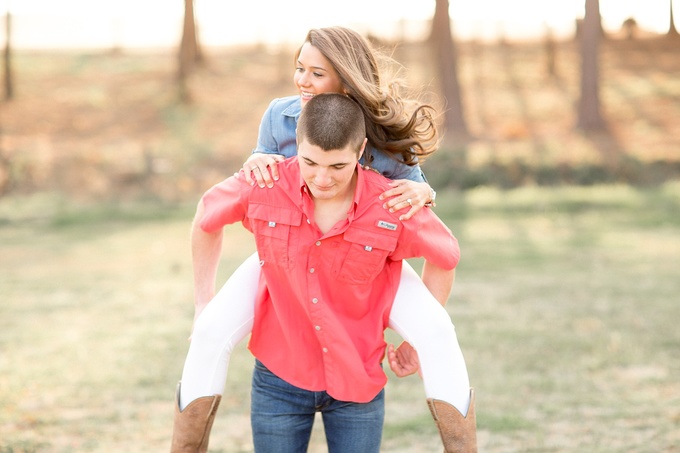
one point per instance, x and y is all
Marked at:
(404, 128)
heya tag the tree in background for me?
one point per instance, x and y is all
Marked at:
(589, 114)
(550, 52)
(189, 51)
(9, 90)
(447, 63)
(672, 31)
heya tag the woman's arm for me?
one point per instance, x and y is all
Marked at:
(406, 193)
(275, 141)
(408, 183)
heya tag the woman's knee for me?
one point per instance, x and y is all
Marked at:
(439, 330)
(210, 330)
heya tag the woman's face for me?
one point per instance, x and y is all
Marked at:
(314, 74)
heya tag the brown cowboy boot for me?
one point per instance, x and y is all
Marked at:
(191, 430)
(458, 433)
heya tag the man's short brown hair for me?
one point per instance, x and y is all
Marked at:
(331, 121)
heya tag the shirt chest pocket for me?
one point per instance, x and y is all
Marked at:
(274, 229)
(366, 256)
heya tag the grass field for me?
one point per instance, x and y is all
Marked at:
(566, 307)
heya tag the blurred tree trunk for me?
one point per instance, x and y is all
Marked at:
(447, 65)
(550, 53)
(589, 114)
(9, 89)
(672, 31)
(189, 50)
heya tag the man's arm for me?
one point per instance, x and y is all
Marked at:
(206, 249)
(439, 281)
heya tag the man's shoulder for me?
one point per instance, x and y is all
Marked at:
(287, 184)
(374, 182)
(290, 166)
(374, 185)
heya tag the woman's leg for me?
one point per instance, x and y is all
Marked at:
(226, 320)
(422, 321)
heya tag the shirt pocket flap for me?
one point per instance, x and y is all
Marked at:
(371, 239)
(274, 214)
(274, 220)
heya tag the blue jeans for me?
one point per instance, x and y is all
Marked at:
(282, 416)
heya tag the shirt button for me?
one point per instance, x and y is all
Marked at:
(311, 271)
(317, 327)
(309, 221)
(315, 300)
(325, 349)
(318, 243)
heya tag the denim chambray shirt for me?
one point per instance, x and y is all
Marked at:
(277, 136)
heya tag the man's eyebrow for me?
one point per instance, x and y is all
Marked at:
(310, 161)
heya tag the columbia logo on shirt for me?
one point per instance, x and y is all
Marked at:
(387, 225)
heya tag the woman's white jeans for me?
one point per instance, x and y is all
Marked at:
(416, 316)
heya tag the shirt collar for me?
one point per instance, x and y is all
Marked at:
(358, 191)
(294, 109)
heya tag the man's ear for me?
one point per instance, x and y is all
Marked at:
(363, 148)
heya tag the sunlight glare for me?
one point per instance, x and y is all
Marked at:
(157, 23)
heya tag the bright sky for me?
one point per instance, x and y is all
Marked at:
(157, 23)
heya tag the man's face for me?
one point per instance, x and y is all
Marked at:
(328, 174)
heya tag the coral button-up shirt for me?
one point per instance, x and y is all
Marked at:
(324, 299)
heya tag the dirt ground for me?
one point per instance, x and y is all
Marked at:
(108, 125)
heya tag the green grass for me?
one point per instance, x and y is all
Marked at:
(565, 306)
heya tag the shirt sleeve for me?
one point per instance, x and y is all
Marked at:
(265, 137)
(392, 168)
(414, 173)
(225, 203)
(425, 236)
(266, 140)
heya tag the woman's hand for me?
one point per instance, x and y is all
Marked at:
(404, 360)
(261, 168)
(405, 193)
